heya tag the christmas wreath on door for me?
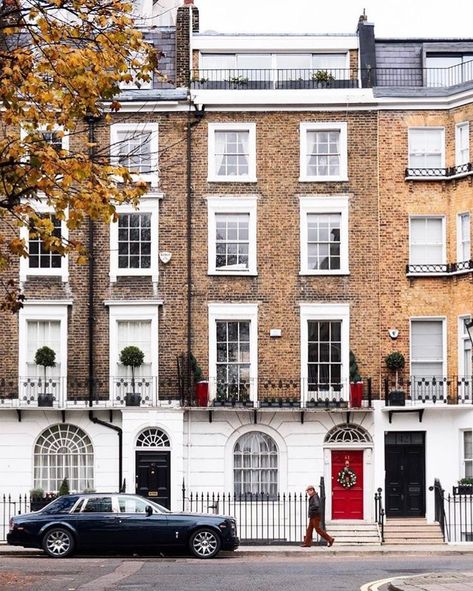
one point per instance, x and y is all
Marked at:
(346, 477)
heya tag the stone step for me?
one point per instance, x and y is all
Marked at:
(412, 542)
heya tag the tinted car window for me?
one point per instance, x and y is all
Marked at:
(98, 505)
(132, 505)
(61, 505)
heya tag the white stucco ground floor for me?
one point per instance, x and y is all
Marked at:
(169, 452)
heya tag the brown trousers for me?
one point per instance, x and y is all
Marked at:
(314, 523)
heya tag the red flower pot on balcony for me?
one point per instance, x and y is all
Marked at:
(202, 393)
(356, 394)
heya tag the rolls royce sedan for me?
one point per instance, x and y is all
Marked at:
(120, 522)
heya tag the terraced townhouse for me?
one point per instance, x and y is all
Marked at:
(309, 204)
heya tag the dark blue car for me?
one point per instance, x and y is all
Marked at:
(120, 522)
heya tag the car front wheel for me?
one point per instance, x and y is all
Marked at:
(58, 543)
(205, 543)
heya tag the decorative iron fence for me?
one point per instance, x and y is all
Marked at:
(9, 507)
(379, 513)
(261, 518)
(454, 512)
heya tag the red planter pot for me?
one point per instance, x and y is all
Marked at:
(356, 394)
(202, 393)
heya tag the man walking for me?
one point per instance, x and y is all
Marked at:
(314, 520)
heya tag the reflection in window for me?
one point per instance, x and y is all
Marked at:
(233, 358)
(98, 505)
(324, 354)
(134, 241)
(40, 256)
(323, 153)
(232, 241)
(323, 237)
(255, 461)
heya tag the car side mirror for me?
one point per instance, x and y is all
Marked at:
(149, 510)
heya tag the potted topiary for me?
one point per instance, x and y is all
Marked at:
(36, 499)
(133, 357)
(64, 488)
(356, 384)
(395, 362)
(46, 357)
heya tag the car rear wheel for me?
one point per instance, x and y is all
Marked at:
(58, 543)
(205, 543)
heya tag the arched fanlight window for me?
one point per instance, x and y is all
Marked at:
(347, 434)
(255, 465)
(153, 437)
(63, 451)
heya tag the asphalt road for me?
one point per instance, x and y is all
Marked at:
(268, 573)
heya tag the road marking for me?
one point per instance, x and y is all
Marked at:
(104, 582)
(375, 585)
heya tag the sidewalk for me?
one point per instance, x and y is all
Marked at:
(292, 551)
(434, 582)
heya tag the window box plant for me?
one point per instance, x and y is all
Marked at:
(395, 362)
(322, 78)
(356, 383)
(465, 487)
(133, 357)
(46, 357)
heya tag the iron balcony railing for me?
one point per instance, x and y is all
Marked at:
(313, 78)
(284, 392)
(431, 390)
(440, 268)
(433, 172)
(70, 392)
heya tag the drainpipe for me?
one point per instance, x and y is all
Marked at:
(91, 122)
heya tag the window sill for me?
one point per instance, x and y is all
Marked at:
(324, 179)
(233, 273)
(324, 273)
(235, 179)
(45, 275)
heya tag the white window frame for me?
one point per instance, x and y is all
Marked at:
(148, 204)
(321, 312)
(325, 204)
(64, 140)
(463, 460)
(233, 312)
(116, 128)
(444, 240)
(441, 319)
(47, 311)
(460, 241)
(462, 339)
(442, 144)
(232, 205)
(129, 312)
(339, 126)
(213, 177)
(42, 207)
(465, 125)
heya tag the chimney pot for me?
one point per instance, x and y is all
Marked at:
(188, 2)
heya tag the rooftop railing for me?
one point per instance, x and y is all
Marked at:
(304, 78)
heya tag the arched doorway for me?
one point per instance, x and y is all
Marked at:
(153, 466)
(347, 445)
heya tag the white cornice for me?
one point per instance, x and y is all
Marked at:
(133, 303)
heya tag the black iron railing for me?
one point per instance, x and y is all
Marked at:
(261, 518)
(428, 390)
(439, 508)
(312, 78)
(430, 173)
(440, 269)
(379, 513)
(10, 506)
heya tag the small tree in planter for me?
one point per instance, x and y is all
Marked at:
(395, 362)
(356, 384)
(64, 488)
(46, 357)
(322, 78)
(132, 357)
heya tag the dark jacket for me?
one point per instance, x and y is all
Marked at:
(314, 505)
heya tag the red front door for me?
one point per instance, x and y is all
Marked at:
(347, 503)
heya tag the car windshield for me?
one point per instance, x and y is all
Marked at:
(61, 505)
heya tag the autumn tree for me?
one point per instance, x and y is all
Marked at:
(61, 62)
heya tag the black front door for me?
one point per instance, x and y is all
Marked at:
(405, 473)
(153, 476)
